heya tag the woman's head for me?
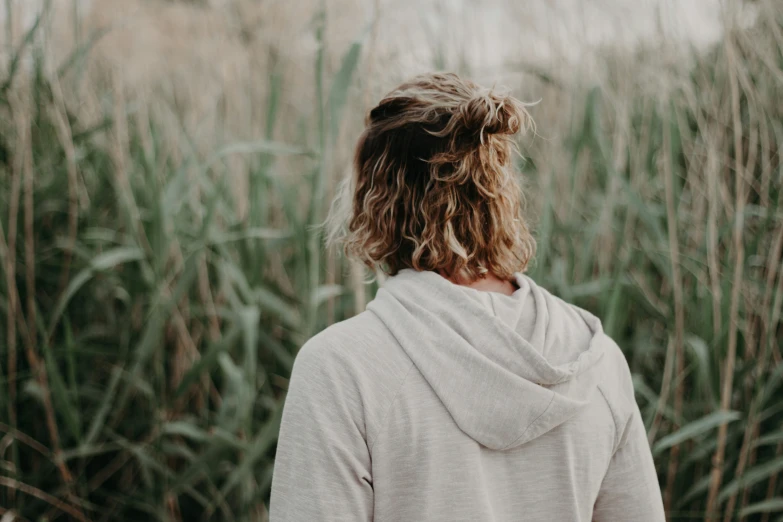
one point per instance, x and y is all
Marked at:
(434, 186)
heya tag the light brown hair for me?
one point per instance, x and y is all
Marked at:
(434, 186)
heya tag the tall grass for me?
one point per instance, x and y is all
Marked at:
(153, 309)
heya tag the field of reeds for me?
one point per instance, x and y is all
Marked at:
(161, 261)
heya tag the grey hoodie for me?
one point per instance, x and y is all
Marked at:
(445, 403)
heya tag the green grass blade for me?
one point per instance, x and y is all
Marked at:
(695, 429)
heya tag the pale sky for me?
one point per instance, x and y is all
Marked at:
(489, 36)
(492, 32)
(591, 21)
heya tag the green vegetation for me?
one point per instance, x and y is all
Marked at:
(149, 320)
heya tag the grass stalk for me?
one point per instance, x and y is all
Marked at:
(679, 309)
(738, 245)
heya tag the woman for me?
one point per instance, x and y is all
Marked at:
(465, 391)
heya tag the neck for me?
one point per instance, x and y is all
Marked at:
(489, 283)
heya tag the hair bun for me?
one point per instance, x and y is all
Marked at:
(492, 113)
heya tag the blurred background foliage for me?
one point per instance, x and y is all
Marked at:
(162, 169)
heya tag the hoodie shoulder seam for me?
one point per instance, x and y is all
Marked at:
(614, 417)
(397, 393)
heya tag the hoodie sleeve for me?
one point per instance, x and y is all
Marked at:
(630, 489)
(322, 466)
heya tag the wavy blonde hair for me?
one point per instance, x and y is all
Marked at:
(433, 186)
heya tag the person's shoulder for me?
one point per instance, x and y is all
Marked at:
(347, 339)
(552, 298)
(361, 347)
(616, 380)
(356, 362)
(616, 368)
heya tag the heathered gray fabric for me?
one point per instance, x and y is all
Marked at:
(446, 403)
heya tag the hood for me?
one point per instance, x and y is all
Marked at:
(507, 368)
